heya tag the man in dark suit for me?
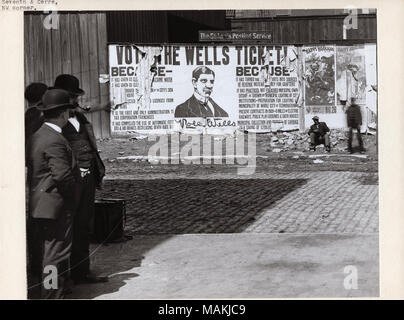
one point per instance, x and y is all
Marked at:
(33, 120)
(319, 134)
(33, 117)
(354, 121)
(201, 104)
(51, 183)
(79, 132)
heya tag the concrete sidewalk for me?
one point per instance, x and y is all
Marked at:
(246, 265)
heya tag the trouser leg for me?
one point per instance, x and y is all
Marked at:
(56, 248)
(34, 249)
(350, 139)
(313, 140)
(80, 261)
(360, 141)
(327, 140)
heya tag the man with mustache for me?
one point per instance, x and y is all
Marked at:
(200, 104)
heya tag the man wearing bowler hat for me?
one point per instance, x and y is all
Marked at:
(52, 184)
(319, 134)
(79, 132)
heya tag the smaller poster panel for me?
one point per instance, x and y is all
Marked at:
(351, 74)
(319, 73)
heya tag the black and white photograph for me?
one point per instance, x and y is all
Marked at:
(124, 203)
(202, 154)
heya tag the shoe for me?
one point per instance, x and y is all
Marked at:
(91, 278)
(68, 287)
(328, 149)
(312, 148)
(67, 291)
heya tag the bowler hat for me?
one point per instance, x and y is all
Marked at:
(34, 92)
(315, 118)
(69, 83)
(55, 98)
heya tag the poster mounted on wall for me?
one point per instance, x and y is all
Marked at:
(203, 88)
(351, 74)
(319, 73)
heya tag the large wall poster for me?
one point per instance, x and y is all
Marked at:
(220, 89)
(202, 88)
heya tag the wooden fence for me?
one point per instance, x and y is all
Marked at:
(308, 30)
(79, 47)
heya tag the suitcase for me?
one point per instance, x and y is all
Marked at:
(108, 221)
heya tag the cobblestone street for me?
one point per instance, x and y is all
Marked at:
(280, 232)
(288, 230)
(296, 202)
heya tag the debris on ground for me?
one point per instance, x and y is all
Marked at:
(318, 161)
(128, 156)
(296, 140)
(138, 137)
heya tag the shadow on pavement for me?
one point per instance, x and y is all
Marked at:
(183, 206)
(115, 282)
(113, 260)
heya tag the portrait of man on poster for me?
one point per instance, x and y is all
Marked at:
(200, 104)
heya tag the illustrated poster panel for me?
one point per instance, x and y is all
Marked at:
(351, 74)
(203, 88)
(319, 73)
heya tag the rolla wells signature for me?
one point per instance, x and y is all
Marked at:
(207, 122)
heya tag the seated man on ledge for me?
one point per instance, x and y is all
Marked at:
(319, 134)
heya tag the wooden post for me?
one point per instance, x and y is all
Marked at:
(300, 73)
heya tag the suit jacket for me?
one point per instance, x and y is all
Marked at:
(50, 178)
(322, 129)
(99, 165)
(354, 116)
(33, 121)
(193, 108)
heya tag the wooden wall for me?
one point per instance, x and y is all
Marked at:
(157, 27)
(78, 47)
(307, 30)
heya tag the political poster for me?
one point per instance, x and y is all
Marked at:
(203, 88)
